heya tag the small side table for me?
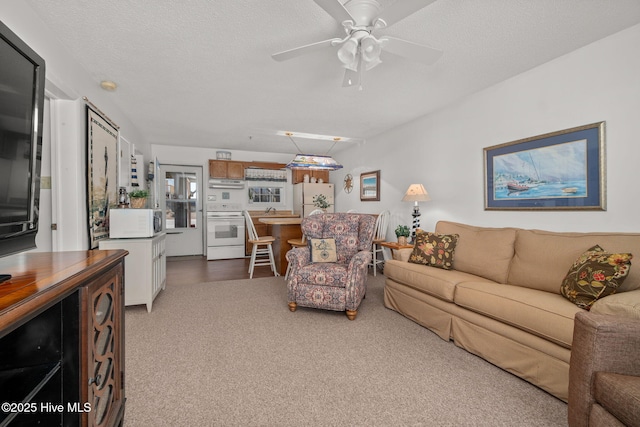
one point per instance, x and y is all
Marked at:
(399, 252)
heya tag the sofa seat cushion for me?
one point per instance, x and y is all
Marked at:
(324, 274)
(619, 395)
(482, 251)
(544, 314)
(430, 280)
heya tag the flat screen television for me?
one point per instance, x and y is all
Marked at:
(22, 79)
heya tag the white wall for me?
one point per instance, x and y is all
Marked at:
(66, 82)
(444, 151)
(65, 77)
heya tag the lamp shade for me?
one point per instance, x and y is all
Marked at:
(312, 161)
(416, 193)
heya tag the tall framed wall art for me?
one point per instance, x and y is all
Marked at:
(102, 174)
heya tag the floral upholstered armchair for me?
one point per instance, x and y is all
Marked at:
(331, 277)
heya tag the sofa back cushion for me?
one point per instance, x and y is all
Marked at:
(542, 259)
(485, 252)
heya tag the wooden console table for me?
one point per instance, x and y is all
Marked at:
(62, 338)
(282, 229)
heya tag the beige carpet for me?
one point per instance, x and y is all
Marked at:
(232, 354)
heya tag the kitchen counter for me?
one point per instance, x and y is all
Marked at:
(281, 220)
(262, 214)
(282, 229)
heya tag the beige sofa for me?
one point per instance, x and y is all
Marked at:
(502, 301)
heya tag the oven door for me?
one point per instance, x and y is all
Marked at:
(225, 230)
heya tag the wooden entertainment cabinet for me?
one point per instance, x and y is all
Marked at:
(62, 339)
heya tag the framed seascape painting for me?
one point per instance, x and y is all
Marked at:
(102, 175)
(558, 170)
(370, 186)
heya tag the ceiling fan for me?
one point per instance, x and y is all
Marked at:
(360, 49)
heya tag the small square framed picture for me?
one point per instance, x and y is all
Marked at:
(370, 186)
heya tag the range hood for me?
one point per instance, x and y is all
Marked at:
(226, 183)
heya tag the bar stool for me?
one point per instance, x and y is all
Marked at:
(260, 256)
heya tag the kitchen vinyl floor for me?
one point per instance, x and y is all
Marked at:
(196, 269)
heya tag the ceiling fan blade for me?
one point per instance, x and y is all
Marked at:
(351, 78)
(335, 9)
(400, 10)
(303, 50)
(413, 51)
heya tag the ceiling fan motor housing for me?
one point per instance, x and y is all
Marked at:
(363, 12)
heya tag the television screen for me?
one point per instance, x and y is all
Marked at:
(22, 77)
(16, 122)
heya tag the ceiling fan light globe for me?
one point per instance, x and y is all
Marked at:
(373, 63)
(371, 49)
(352, 66)
(347, 54)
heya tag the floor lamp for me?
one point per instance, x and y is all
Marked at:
(415, 193)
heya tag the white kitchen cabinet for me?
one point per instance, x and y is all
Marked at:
(145, 272)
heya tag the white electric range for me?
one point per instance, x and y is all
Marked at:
(225, 231)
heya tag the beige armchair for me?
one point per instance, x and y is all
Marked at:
(604, 371)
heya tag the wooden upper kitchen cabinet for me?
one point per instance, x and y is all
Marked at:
(235, 170)
(226, 169)
(298, 175)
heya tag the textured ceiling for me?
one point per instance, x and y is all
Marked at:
(200, 73)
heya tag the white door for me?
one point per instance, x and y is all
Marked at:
(182, 209)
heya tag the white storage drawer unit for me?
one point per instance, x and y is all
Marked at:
(145, 272)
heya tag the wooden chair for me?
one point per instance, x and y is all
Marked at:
(380, 235)
(260, 256)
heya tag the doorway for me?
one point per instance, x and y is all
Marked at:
(182, 209)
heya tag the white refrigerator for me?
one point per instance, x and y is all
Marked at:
(305, 193)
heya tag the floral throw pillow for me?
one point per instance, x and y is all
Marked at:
(435, 250)
(323, 250)
(595, 274)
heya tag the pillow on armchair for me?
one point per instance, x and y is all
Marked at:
(323, 250)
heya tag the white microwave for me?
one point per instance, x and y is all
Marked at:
(134, 223)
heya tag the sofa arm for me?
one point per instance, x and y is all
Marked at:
(600, 343)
